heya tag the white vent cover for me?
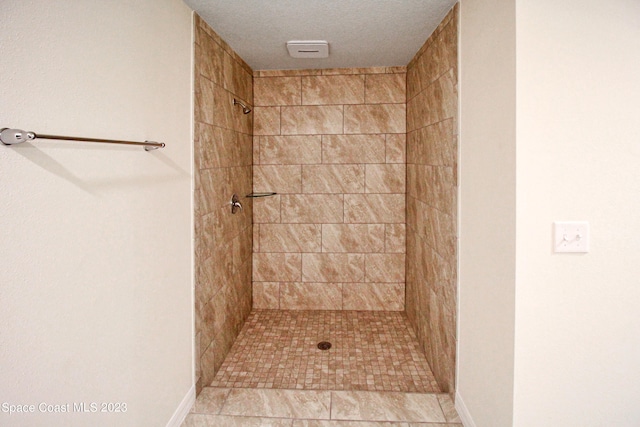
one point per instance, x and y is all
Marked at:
(308, 48)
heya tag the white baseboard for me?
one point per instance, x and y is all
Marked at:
(463, 412)
(183, 409)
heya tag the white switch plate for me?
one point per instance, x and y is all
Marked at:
(571, 236)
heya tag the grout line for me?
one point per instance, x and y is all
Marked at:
(331, 405)
(441, 410)
(224, 402)
(300, 81)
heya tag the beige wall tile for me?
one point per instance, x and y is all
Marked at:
(440, 230)
(373, 296)
(228, 115)
(396, 148)
(277, 267)
(349, 71)
(266, 295)
(436, 103)
(266, 209)
(431, 199)
(256, 237)
(236, 79)
(266, 120)
(353, 149)
(312, 208)
(433, 145)
(256, 150)
(311, 296)
(277, 91)
(397, 69)
(312, 120)
(334, 167)
(275, 403)
(210, 400)
(449, 409)
(333, 179)
(290, 237)
(389, 178)
(374, 208)
(209, 151)
(444, 50)
(215, 185)
(203, 96)
(376, 118)
(327, 90)
(413, 79)
(385, 88)
(208, 57)
(353, 237)
(242, 123)
(425, 74)
(281, 179)
(290, 150)
(337, 268)
(207, 361)
(242, 155)
(433, 185)
(395, 238)
(386, 406)
(202, 26)
(287, 73)
(385, 267)
(222, 159)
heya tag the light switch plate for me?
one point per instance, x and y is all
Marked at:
(571, 236)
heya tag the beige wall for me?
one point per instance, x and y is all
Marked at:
(331, 143)
(577, 343)
(96, 270)
(223, 144)
(432, 155)
(487, 212)
(547, 339)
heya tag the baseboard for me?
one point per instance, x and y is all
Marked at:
(183, 409)
(463, 412)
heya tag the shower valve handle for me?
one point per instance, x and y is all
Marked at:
(235, 204)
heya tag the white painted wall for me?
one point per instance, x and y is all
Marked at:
(577, 354)
(487, 212)
(95, 249)
(577, 346)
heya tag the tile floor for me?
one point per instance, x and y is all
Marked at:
(371, 350)
(221, 407)
(275, 376)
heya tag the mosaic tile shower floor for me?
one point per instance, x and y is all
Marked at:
(371, 350)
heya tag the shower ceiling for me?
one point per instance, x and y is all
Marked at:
(361, 33)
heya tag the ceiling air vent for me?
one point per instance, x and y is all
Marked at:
(308, 48)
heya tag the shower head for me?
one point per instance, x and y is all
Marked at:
(245, 109)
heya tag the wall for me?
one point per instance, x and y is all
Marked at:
(96, 246)
(432, 155)
(331, 143)
(223, 150)
(487, 213)
(577, 342)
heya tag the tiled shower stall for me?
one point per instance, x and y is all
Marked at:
(363, 162)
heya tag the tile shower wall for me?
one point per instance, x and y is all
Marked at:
(223, 151)
(331, 143)
(432, 197)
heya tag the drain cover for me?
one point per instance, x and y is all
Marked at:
(324, 345)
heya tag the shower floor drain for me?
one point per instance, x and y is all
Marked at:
(324, 345)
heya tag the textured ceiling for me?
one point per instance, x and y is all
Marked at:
(361, 33)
